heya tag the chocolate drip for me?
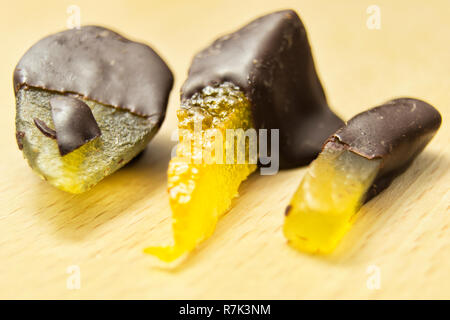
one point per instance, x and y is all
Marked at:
(100, 65)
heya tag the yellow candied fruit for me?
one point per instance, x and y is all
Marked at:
(123, 136)
(201, 183)
(325, 205)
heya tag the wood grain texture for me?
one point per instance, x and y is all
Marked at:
(405, 231)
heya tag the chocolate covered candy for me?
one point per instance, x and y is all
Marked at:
(87, 101)
(270, 61)
(356, 163)
(259, 77)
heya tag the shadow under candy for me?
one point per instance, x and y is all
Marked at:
(73, 217)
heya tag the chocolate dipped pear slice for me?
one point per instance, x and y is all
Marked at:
(356, 163)
(259, 77)
(87, 101)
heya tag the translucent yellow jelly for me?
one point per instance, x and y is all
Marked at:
(325, 205)
(201, 184)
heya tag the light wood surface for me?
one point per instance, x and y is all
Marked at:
(404, 232)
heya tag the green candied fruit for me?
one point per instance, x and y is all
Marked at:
(123, 136)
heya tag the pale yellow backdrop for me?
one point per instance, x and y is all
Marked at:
(404, 232)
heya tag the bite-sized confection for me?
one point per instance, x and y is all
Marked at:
(87, 101)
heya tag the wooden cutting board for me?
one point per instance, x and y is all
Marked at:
(398, 248)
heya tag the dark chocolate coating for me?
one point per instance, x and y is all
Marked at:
(74, 123)
(46, 131)
(395, 132)
(100, 65)
(270, 60)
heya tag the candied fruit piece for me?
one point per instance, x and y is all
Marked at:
(325, 205)
(94, 95)
(358, 161)
(201, 188)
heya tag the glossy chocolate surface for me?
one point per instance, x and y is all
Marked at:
(74, 122)
(270, 60)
